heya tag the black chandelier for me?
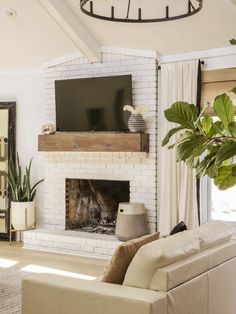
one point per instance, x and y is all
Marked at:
(89, 7)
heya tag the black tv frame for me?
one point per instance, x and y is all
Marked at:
(96, 77)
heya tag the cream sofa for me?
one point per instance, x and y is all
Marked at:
(191, 273)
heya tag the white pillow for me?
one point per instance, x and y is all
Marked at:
(212, 233)
(157, 254)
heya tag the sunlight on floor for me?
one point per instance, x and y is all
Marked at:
(41, 269)
(7, 263)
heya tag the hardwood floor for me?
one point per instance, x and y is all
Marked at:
(82, 265)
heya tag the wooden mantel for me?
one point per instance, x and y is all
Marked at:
(93, 142)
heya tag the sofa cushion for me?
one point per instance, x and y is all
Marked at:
(171, 276)
(117, 267)
(158, 254)
(211, 234)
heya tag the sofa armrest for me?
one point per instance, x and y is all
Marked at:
(44, 293)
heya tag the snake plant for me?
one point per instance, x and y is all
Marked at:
(19, 182)
(206, 145)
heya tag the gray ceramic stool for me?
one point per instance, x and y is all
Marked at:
(131, 221)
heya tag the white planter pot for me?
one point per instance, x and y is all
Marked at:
(23, 215)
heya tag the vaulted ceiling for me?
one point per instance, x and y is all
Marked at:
(34, 36)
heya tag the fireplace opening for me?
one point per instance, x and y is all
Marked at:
(91, 205)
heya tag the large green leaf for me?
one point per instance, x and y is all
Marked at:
(234, 171)
(224, 109)
(226, 152)
(171, 133)
(192, 147)
(207, 124)
(182, 113)
(212, 171)
(192, 162)
(233, 90)
(217, 128)
(207, 161)
(181, 138)
(226, 178)
(194, 110)
(232, 128)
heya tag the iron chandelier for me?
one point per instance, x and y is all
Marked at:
(89, 7)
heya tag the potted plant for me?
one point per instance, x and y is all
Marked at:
(22, 196)
(204, 144)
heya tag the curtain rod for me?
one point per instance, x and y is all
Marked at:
(202, 63)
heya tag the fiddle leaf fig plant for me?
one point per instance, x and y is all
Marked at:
(204, 144)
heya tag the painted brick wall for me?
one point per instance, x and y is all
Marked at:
(139, 168)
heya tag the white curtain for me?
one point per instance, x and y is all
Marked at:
(177, 196)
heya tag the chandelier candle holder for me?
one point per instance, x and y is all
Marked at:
(93, 8)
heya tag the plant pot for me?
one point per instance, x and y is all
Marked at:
(136, 123)
(23, 215)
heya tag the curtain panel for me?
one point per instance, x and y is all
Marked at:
(177, 188)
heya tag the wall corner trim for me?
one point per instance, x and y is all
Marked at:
(131, 52)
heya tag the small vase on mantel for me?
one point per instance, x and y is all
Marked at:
(136, 123)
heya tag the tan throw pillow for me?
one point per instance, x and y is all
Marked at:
(122, 257)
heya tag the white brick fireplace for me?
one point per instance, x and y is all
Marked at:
(138, 168)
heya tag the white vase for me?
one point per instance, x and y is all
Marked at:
(23, 215)
(136, 123)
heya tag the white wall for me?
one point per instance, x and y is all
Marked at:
(27, 90)
(219, 58)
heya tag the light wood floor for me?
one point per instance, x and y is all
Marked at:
(82, 265)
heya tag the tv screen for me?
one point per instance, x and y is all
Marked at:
(93, 104)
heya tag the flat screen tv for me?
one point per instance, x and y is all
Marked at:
(93, 104)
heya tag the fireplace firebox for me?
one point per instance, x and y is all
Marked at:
(91, 205)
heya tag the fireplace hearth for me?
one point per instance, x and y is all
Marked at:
(91, 205)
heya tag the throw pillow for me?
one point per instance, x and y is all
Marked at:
(122, 257)
(212, 233)
(179, 228)
(158, 254)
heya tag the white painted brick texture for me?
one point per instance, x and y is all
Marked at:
(138, 168)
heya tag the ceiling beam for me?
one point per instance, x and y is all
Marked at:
(70, 24)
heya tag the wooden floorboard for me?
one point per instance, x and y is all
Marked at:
(82, 265)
